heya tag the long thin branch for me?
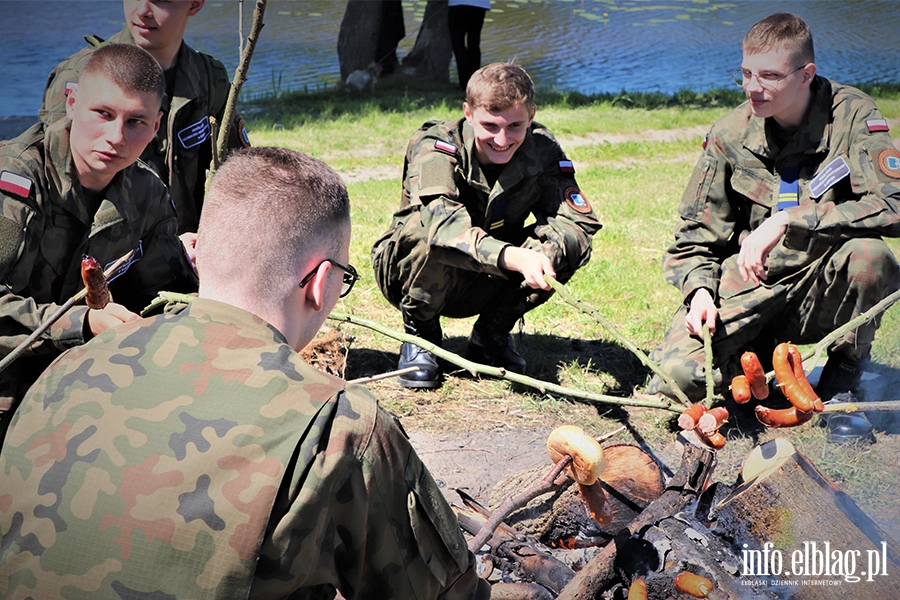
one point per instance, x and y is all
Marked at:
(708, 369)
(479, 369)
(240, 76)
(513, 503)
(595, 314)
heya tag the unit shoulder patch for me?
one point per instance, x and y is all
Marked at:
(889, 162)
(874, 125)
(577, 200)
(445, 147)
(566, 166)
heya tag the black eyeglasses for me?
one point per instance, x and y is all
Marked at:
(350, 276)
(767, 80)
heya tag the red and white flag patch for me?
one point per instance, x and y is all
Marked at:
(12, 183)
(566, 166)
(71, 86)
(877, 125)
(444, 146)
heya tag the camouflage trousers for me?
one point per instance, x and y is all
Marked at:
(424, 287)
(802, 309)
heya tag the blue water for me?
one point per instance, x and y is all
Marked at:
(582, 45)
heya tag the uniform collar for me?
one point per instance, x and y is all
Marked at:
(814, 133)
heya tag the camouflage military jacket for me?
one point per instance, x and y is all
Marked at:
(181, 151)
(448, 202)
(196, 455)
(842, 176)
(46, 226)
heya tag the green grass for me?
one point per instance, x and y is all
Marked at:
(634, 154)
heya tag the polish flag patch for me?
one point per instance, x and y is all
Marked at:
(12, 183)
(877, 125)
(71, 86)
(444, 146)
(566, 166)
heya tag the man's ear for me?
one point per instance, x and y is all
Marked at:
(315, 288)
(158, 121)
(196, 5)
(809, 73)
(70, 103)
(467, 110)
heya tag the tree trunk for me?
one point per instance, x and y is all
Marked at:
(358, 37)
(430, 57)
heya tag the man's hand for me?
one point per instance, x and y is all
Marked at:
(755, 248)
(531, 264)
(703, 311)
(189, 241)
(107, 318)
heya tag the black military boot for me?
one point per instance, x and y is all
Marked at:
(428, 374)
(839, 382)
(491, 344)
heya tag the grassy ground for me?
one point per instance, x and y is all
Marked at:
(634, 155)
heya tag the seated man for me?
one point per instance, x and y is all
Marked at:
(197, 455)
(490, 205)
(781, 223)
(74, 188)
(197, 88)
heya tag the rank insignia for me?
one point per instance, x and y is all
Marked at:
(889, 162)
(12, 183)
(566, 166)
(444, 147)
(577, 200)
(877, 125)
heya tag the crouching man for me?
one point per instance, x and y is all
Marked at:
(490, 206)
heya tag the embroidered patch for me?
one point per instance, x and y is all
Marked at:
(194, 135)
(827, 177)
(889, 162)
(245, 138)
(12, 183)
(497, 224)
(566, 166)
(705, 141)
(136, 255)
(877, 125)
(444, 146)
(577, 200)
(71, 86)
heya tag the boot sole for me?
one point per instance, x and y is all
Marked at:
(418, 385)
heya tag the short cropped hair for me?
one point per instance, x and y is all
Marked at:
(267, 209)
(499, 86)
(128, 66)
(781, 30)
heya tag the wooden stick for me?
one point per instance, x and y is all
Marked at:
(595, 314)
(513, 503)
(384, 375)
(708, 355)
(240, 76)
(31, 339)
(478, 369)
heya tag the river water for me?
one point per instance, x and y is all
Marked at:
(581, 45)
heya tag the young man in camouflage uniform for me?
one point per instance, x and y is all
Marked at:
(197, 88)
(490, 205)
(781, 223)
(196, 455)
(73, 188)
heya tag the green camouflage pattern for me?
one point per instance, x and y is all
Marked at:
(444, 242)
(42, 239)
(197, 456)
(200, 90)
(831, 264)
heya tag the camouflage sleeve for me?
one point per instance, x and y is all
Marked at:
(431, 183)
(565, 221)
(20, 316)
(60, 80)
(874, 178)
(366, 518)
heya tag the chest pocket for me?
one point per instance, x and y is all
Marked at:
(760, 188)
(692, 203)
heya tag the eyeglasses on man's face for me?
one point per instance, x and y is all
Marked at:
(768, 80)
(350, 276)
